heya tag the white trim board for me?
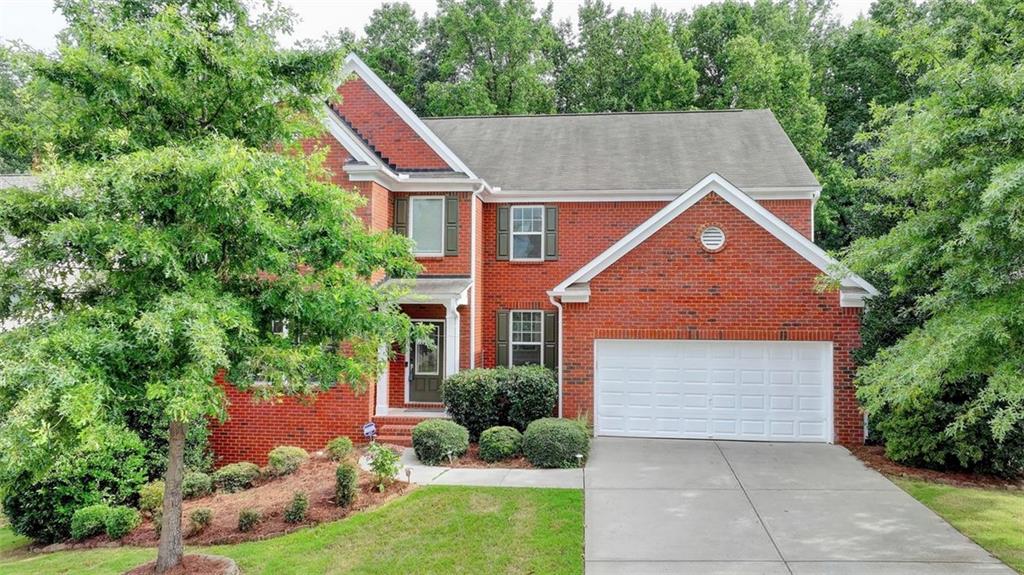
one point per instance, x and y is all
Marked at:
(500, 195)
(576, 288)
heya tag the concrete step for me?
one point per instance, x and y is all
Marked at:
(403, 440)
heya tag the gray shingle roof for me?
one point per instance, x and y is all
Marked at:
(640, 151)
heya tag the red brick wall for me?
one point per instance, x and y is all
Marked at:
(796, 213)
(254, 428)
(446, 265)
(388, 132)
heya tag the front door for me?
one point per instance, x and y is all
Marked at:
(426, 366)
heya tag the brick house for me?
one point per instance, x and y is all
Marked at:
(662, 263)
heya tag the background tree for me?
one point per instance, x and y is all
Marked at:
(393, 38)
(176, 222)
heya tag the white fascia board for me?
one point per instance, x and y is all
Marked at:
(657, 195)
(354, 65)
(738, 199)
(572, 294)
(408, 183)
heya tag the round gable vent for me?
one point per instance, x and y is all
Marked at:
(712, 238)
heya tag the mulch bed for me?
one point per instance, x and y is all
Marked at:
(193, 565)
(472, 459)
(874, 456)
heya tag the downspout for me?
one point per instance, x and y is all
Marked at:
(560, 332)
(472, 273)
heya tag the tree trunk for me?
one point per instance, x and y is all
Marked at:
(171, 549)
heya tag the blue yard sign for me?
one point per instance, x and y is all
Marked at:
(370, 430)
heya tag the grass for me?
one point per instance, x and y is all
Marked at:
(432, 530)
(993, 518)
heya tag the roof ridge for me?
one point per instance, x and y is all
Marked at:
(575, 114)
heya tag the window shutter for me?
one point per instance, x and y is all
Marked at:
(551, 340)
(503, 232)
(551, 232)
(401, 223)
(502, 338)
(451, 226)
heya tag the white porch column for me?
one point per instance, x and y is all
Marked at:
(382, 384)
(451, 339)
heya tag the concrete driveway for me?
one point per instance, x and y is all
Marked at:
(659, 506)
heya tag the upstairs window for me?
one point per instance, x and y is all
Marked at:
(527, 337)
(528, 233)
(426, 225)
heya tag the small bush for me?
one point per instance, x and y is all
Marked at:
(121, 521)
(499, 443)
(248, 519)
(530, 392)
(553, 442)
(472, 399)
(346, 484)
(297, 508)
(151, 497)
(383, 465)
(236, 476)
(285, 460)
(196, 484)
(89, 521)
(437, 440)
(200, 519)
(158, 522)
(339, 448)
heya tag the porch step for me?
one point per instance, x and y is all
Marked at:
(397, 428)
(403, 440)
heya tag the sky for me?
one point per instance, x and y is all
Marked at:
(33, 21)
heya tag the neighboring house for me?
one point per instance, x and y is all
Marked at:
(661, 263)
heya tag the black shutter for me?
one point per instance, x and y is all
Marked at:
(551, 340)
(451, 226)
(551, 232)
(401, 223)
(503, 232)
(502, 338)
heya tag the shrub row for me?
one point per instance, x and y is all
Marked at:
(116, 521)
(548, 442)
(479, 399)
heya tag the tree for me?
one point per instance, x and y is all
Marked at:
(14, 154)
(393, 36)
(177, 222)
(948, 167)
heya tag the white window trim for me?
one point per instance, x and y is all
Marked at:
(412, 201)
(440, 359)
(511, 341)
(512, 233)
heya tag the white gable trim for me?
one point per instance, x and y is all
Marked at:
(351, 142)
(354, 65)
(856, 287)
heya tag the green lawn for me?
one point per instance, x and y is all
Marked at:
(993, 518)
(432, 530)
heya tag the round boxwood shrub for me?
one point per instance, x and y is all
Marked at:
(437, 440)
(346, 484)
(248, 519)
(472, 399)
(89, 521)
(553, 442)
(339, 448)
(199, 520)
(500, 442)
(196, 484)
(297, 508)
(236, 476)
(285, 459)
(530, 392)
(151, 497)
(121, 521)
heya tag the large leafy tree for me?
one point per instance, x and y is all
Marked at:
(948, 167)
(178, 221)
(391, 45)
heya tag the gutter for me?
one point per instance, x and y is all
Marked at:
(561, 331)
(472, 272)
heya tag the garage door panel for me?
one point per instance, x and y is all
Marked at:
(775, 391)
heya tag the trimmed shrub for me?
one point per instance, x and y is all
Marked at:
(285, 460)
(89, 521)
(529, 392)
(121, 521)
(151, 497)
(297, 508)
(42, 508)
(472, 399)
(383, 465)
(499, 443)
(196, 484)
(553, 442)
(346, 484)
(200, 519)
(248, 519)
(236, 476)
(339, 448)
(437, 440)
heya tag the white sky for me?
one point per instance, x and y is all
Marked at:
(34, 22)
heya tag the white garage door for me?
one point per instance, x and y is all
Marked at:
(748, 390)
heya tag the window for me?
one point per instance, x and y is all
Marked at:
(528, 232)
(425, 356)
(527, 337)
(426, 225)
